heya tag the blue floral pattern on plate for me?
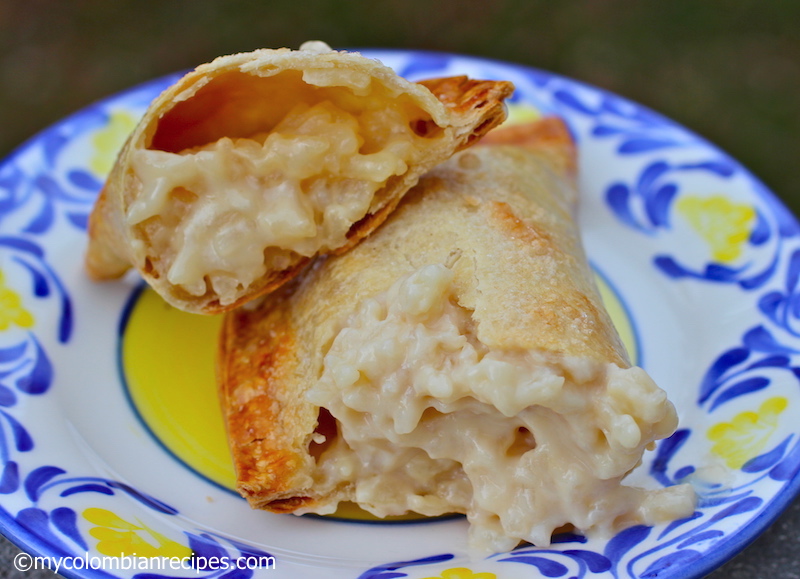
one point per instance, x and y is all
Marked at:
(702, 232)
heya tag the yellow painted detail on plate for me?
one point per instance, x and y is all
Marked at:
(463, 573)
(12, 311)
(109, 140)
(521, 113)
(723, 224)
(747, 434)
(118, 537)
(168, 358)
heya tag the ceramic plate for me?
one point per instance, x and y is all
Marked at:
(111, 442)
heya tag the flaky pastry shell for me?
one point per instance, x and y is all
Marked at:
(249, 166)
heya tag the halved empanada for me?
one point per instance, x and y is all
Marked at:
(457, 360)
(254, 163)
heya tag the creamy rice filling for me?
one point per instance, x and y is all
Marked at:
(237, 205)
(431, 420)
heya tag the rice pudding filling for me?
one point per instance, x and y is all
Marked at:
(430, 419)
(292, 177)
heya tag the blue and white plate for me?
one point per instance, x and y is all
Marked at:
(102, 470)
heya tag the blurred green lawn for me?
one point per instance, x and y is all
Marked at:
(728, 70)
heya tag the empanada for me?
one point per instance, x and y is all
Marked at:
(457, 360)
(252, 164)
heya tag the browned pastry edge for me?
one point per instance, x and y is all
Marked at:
(466, 97)
(253, 424)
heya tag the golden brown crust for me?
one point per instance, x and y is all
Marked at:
(502, 216)
(480, 103)
(199, 109)
(256, 357)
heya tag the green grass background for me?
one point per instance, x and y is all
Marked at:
(729, 70)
